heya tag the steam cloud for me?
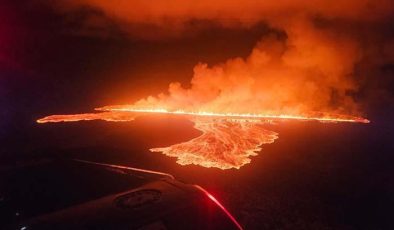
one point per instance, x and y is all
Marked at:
(311, 68)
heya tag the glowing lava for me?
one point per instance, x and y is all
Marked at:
(318, 116)
(227, 140)
(106, 116)
(223, 144)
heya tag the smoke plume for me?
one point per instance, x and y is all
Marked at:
(308, 65)
(309, 70)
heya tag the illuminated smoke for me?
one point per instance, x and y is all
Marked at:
(311, 70)
(176, 15)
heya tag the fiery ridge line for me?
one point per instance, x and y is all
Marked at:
(327, 118)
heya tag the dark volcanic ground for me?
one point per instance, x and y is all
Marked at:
(315, 176)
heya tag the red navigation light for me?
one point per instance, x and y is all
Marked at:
(211, 197)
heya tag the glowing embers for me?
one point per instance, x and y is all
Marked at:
(223, 143)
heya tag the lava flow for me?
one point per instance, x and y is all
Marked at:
(227, 140)
(322, 117)
(105, 116)
(223, 144)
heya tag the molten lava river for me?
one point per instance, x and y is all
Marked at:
(227, 140)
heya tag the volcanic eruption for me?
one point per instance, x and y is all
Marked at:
(303, 69)
(231, 102)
